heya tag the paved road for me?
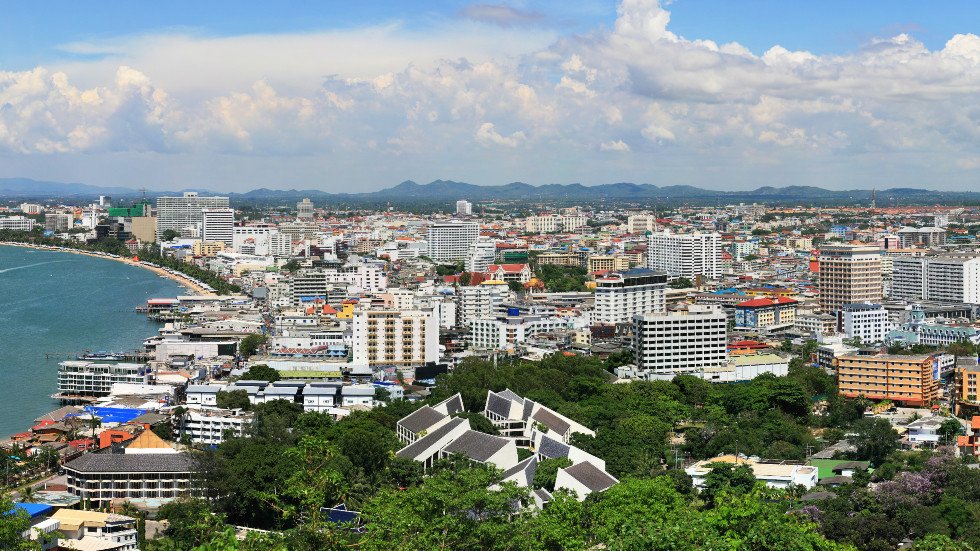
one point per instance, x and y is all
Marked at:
(39, 485)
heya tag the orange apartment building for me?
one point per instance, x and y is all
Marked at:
(967, 380)
(905, 380)
(969, 444)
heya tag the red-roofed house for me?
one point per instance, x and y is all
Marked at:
(747, 346)
(82, 444)
(766, 313)
(112, 436)
(510, 272)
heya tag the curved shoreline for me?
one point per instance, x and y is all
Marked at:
(191, 286)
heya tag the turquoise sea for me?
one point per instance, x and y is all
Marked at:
(63, 303)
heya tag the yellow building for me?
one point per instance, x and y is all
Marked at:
(559, 259)
(608, 263)
(770, 292)
(207, 248)
(347, 308)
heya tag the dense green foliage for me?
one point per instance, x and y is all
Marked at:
(681, 283)
(258, 372)
(454, 510)
(12, 524)
(561, 279)
(294, 463)
(235, 399)
(769, 416)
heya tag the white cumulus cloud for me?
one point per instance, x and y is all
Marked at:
(460, 100)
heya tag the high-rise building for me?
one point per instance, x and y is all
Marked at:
(406, 338)
(952, 278)
(482, 253)
(547, 223)
(31, 208)
(58, 222)
(905, 380)
(681, 342)
(766, 313)
(304, 209)
(685, 254)
(508, 331)
(608, 263)
(309, 285)
(177, 213)
(640, 223)
(464, 208)
(921, 237)
(865, 321)
(218, 225)
(848, 274)
(620, 296)
(481, 301)
(300, 229)
(451, 241)
(17, 223)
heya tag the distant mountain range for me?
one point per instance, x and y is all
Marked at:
(442, 191)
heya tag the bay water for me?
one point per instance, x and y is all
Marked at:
(62, 304)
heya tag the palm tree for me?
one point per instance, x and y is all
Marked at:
(95, 423)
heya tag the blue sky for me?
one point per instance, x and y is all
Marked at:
(30, 35)
(329, 95)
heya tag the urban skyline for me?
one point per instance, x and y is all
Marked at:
(360, 97)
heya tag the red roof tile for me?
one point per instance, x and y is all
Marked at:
(762, 302)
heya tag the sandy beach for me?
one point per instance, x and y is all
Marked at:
(193, 287)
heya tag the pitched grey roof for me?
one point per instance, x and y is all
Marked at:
(476, 445)
(58, 414)
(454, 404)
(498, 405)
(551, 448)
(250, 390)
(831, 480)
(592, 477)
(281, 391)
(526, 468)
(320, 391)
(133, 463)
(251, 382)
(288, 384)
(850, 465)
(357, 391)
(203, 389)
(552, 421)
(543, 495)
(509, 394)
(421, 419)
(528, 407)
(412, 451)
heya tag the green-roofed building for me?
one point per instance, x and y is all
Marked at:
(139, 209)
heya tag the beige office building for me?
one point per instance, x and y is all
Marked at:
(848, 274)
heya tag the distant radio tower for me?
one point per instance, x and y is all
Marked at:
(872, 198)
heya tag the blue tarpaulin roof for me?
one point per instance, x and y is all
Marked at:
(115, 415)
(34, 509)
